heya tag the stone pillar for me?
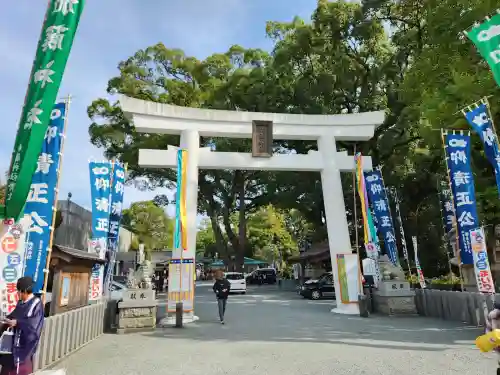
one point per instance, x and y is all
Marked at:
(137, 311)
(190, 140)
(336, 219)
(469, 276)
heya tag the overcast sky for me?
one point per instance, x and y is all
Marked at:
(111, 31)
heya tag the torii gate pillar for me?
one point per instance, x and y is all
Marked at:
(191, 123)
(190, 140)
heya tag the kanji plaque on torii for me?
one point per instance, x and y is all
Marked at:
(262, 138)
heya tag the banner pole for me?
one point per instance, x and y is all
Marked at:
(457, 233)
(106, 284)
(487, 103)
(46, 271)
(355, 208)
(112, 260)
(355, 212)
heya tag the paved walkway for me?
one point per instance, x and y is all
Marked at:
(278, 333)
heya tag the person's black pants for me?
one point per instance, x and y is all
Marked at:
(222, 302)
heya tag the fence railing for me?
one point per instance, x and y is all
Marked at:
(465, 307)
(64, 333)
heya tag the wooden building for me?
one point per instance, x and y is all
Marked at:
(69, 278)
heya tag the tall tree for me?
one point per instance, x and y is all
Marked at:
(205, 239)
(268, 235)
(168, 76)
(150, 224)
(405, 57)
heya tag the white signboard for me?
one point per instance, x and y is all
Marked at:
(349, 278)
(369, 268)
(12, 254)
(482, 269)
(98, 247)
(372, 262)
(181, 284)
(174, 284)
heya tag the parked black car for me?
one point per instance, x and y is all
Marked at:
(262, 276)
(322, 288)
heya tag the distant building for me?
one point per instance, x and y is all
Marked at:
(76, 230)
(76, 227)
(125, 238)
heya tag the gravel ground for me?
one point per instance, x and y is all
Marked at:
(272, 332)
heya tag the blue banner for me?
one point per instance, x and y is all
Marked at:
(41, 198)
(117, 190)
(382, 212)
(448, 210)
(481, 123)
(448, 217)
(100, 192)
(458, 148)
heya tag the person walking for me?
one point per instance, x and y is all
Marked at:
(27, 321)
(221, 289)
(162, 282)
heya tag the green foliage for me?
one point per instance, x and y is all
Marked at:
(150, 224)
(446, 280)
(268, 235)
(406, 57)
(205, 239)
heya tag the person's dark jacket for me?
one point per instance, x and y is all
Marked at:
(30, 319)
(221, 288)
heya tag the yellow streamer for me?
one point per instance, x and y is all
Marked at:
(183, 202)
(361, 192)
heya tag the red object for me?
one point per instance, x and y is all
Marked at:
(95, 288)
(9, 244)
(485, 280)
(11, 288)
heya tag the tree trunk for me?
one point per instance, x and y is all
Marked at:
(231, 236)
(219, 238)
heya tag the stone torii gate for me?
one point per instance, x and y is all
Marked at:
(191, 123)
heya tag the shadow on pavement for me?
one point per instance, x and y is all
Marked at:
(271, 316)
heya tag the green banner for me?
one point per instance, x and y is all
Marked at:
(56, 39)
(486, 37)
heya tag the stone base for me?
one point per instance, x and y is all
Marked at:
(346, 309)
(136, 316)
(394, 298)
(169, 320)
